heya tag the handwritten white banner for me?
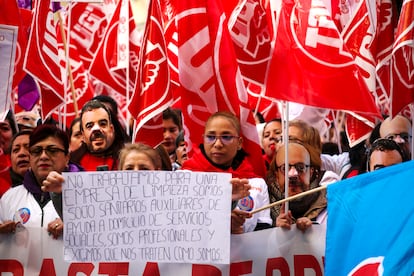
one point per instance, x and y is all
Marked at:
(156, 216)
(8, 41)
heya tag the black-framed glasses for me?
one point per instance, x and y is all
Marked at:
(299, 167)
(51, 151)
(404, 136)
(225, 139)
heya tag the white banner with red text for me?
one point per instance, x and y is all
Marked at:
(31, 251)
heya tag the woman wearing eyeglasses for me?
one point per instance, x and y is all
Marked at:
(28, 204)
(222, 151)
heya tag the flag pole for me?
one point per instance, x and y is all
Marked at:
(285, 125)
(287, 199)
(68, 67)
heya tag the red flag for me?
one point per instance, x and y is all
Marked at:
(151, 96)
(104, 65)
(250, 33)
(10, 14)
(88, 25)
(267, 107)
(168, 11)
(206, 51)
(401, 63)
(360, 36)
(41, 59)
(78, 86)
(311, 64)
(358, 129)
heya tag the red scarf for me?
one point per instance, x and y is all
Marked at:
(199, 162)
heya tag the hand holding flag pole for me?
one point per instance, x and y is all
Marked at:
(288, 199)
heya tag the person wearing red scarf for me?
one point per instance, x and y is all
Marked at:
(222, 151)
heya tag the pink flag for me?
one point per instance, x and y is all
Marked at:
(152, 95)
(104, 65)
(41, 59)
(209, 75)
(311, 65)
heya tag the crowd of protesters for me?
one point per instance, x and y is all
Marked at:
(33, 154)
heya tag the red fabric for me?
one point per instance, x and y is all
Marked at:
(205, 50)
(310, 64)
(401, 64)
(5, 162)
(199, 163)
(169, 11)
(90, 162)
(353, 173)
(103, 67)
(82, 87)
(5, 179)
(88, 25)
(152, 95)
(358, 130)
(41, 60)
(10, 14)
(384, 40)
(249, 30)
(266, 160)
(268, 108)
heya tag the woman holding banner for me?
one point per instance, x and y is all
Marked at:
(222, 151)
(27, 204)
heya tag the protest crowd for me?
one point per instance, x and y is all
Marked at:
(82, 96)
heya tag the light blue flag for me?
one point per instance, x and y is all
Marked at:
(371, 223)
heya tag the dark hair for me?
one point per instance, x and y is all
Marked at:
(383, 144)
(43, 132)
(375, 133)
(330, 148)
(109, 100)
(20, 133)
(12, 121)
(179, 139)
(173, 114)
(70, 129)
(259, 116)
(165, 158)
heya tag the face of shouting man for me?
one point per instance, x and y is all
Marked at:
(97, 129)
